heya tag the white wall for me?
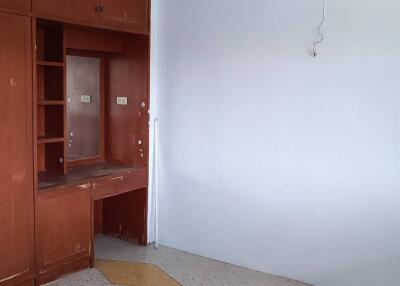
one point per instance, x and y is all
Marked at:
(275, 160)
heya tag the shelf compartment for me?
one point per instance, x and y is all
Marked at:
(50, 157)
(50, 120)
(50, 102)
(50, 64)
(50, 83)
(49, 37)
(46, 140)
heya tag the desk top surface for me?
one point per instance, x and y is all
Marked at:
(82, 174)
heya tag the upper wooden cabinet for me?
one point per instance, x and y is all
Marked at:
(16, 4)
(77, 11)
(16, 150)
(130, 15)
(123, 15)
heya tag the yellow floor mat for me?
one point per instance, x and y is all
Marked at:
(134, 274)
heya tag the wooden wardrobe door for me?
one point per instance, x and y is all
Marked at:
(76, 11)
(16, 4)
(16, 149)
(128, 15)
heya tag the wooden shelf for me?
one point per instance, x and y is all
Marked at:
(50, 64)
(50, 102)
(46, 140)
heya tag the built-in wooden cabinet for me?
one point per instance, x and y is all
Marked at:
(125, 14)
(80, 11)
(64, 226)
(16, 4)
(16, 150)
(47, 198)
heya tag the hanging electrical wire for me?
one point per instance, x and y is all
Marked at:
(320, 34)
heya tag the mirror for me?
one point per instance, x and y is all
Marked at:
(83, 107)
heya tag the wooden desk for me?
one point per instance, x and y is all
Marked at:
(67, 213)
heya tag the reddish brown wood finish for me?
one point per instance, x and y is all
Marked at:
(118, 15)
(127, 15)
(58, 230)
(49, 41)
(64, 226)
(79, 11)
(120, 184)
(125, 216)
(16, 4)
(98, 217)
(49, 88)
(127, 126)
(62, 270)
(20, 282)
(16, 151)
(93, 41)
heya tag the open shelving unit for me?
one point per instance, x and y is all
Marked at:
(50, 66)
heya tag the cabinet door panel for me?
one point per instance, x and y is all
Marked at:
(64, 226)
(77, 11)
(16, 148)
(129, 15)
(16, 4)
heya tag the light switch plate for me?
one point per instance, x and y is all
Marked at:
(122, 100)
(86, 98)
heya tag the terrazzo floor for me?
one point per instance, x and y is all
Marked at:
(186, 268)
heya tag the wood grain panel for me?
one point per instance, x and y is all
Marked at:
(92, 40)
(62, 270)
(16, 149)
(125, 216)
(130, 15)
(64, 226)
(80, 11)
(123, 183)
(127, 126)
(98, 217)
(17, 4)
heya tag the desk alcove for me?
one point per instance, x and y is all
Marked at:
(91, 148)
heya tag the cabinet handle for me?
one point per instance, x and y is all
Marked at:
(84, 187)
(99, 8)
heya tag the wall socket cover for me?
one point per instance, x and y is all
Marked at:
(122, 100)
(86, 98)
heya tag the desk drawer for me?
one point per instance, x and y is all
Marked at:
(119, 184)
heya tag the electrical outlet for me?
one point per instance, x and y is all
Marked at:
(122, 100)
(86, 98)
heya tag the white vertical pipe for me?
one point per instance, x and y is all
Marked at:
(155, 173)
(153, 116)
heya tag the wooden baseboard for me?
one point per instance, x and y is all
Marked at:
(26, 279)
(62, 271)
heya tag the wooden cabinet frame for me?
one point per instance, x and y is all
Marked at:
(129, 64)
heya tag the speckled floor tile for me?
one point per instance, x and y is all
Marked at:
(186, 268)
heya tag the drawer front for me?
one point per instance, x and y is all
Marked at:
(120, 184)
